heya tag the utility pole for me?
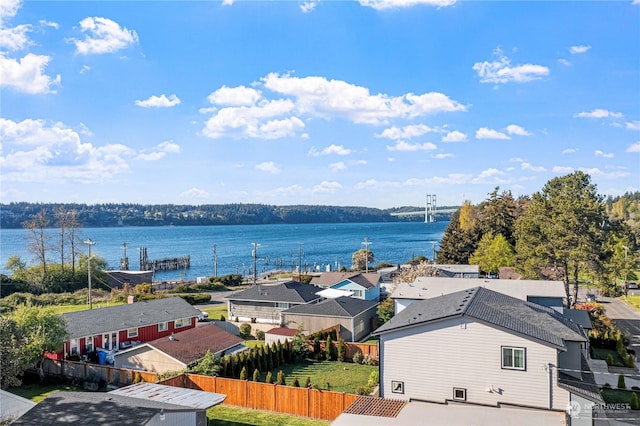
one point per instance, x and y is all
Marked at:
(89, 243)
(299, 261)
(254, 253)
(366, 244)
(215, 263)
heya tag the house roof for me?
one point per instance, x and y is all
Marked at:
(192, 345)
(347, 307)
(493, 308)
(332, 293)
(587, 387)
(139, 314)
(282, 331)
(459, 269)
(289, 292)
(94, 408)
(428, 287)
(156, 393)
(579, 316)
(328, 279)
(13, 406)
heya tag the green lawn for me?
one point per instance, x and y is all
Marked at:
(63, 309)
(341, 376)
(632, 300)
(216, 311)
(611, 395)
(224, 415)
(599, 353)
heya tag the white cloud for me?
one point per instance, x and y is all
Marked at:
(450, 179)
(308, 5)
(514, 129)
(161, 101)
(442, 156)
(454, 136)
(599, 153)
(235, 96)
(564, 62)
(530, 167)
(84, 69)
(491, 175)
(8, 10)
(194, 193)
(406, 132)
(334, 98)
(102, 35)
(39, 151)
(598, 113)
(327, 187)
(634, 147)
(486, 133)
(375, 184)
(27, 74)
(574, 50)
(329, 150)
(563, 169)
(569, 151)
(632, 125)
(400, 4)
(594, 171)
(407, 147)
(337, 167)
(15, 38)
(269, 167)
(501, 71)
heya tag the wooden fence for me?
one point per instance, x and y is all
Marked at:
(312, 403)
(85, 371)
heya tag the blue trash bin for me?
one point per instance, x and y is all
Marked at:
(102, 357)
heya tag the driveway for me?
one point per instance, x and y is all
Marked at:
(626, 319)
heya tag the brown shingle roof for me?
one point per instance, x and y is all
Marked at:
(191, 345)
(283, 331)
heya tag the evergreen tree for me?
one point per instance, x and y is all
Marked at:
(243, 373)
(296, 382)
(280, 378)
(256, 375)
(329, 349)
(269, 378)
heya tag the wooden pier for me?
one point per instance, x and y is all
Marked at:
(165, 264)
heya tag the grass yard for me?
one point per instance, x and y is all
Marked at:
(632, 300)
(63, 309)
(38, 392)
(341, 376)
(216, 311)
(600, 353)
(224, 415)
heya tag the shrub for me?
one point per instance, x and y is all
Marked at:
(296, 382)
(357, 357)
(340, 350)
(195, 298)
(629, 361)
(368, 360)
(180, 288)
(280, 378)
(621, 384)
(245, 330)
(269, 378)
(256, 375)
(374, 378)
(609, 359)
(307, 383)
(243, 373)
(635, 405)
(259, 334)
(329, 349)
(222, 318)
(362, 390)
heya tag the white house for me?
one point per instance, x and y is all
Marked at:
(483, 347)
(546, 293)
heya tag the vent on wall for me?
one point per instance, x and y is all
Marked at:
(397, 387)
(460, 394)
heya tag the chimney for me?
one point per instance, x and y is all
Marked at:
(131, 299)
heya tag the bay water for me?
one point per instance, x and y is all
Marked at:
(317, 247)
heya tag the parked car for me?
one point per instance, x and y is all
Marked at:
(632, 286)
(591, 298)
(203, 316)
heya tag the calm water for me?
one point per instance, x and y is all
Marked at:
(321, 245)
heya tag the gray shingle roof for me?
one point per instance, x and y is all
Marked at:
(138, 314)
(291, 292)
(344, 306)
(493, 308)
(328, 279)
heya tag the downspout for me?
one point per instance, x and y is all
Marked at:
(549, 369)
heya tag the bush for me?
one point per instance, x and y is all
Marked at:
(374, 378)
(280, 378)
(621, 384)
(609, 359)
(195, 298)
(296, 382)
(307, 383)
(635, 405)
(245, 330)
(243, 373)
(222, 318)
(340, 350)
(259, 334)
(368, 360)
(256, 375)
(629, 361)
(269, 378)
(357, 357)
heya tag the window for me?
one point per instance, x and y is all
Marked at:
(182, 322)
(513, 358)
(73, 346)
(132, 332)
(283, 305)
(163, 326)
(357, 293)
(460, 394)
(88, 345)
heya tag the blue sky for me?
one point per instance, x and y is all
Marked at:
(371, 103)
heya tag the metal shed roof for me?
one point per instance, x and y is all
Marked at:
(172, 395)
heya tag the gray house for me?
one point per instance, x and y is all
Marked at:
(357, 318)
(266, 303)
(483, 347)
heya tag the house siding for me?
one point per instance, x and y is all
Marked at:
(265, 312)
(466, 354)
(372, 293)
(145, 358)
(352, 330)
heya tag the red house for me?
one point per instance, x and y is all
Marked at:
(118, 327)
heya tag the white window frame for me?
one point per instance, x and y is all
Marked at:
(132, 332)
(182, 322)
(283, 305)
(74, 347)
(505, 350)
(357, 293)
(163, 326)
(463, 392)
(88, 343)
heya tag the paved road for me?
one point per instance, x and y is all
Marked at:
(625, 317)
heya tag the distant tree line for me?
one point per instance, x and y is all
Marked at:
(566, 231)
(14, 215)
